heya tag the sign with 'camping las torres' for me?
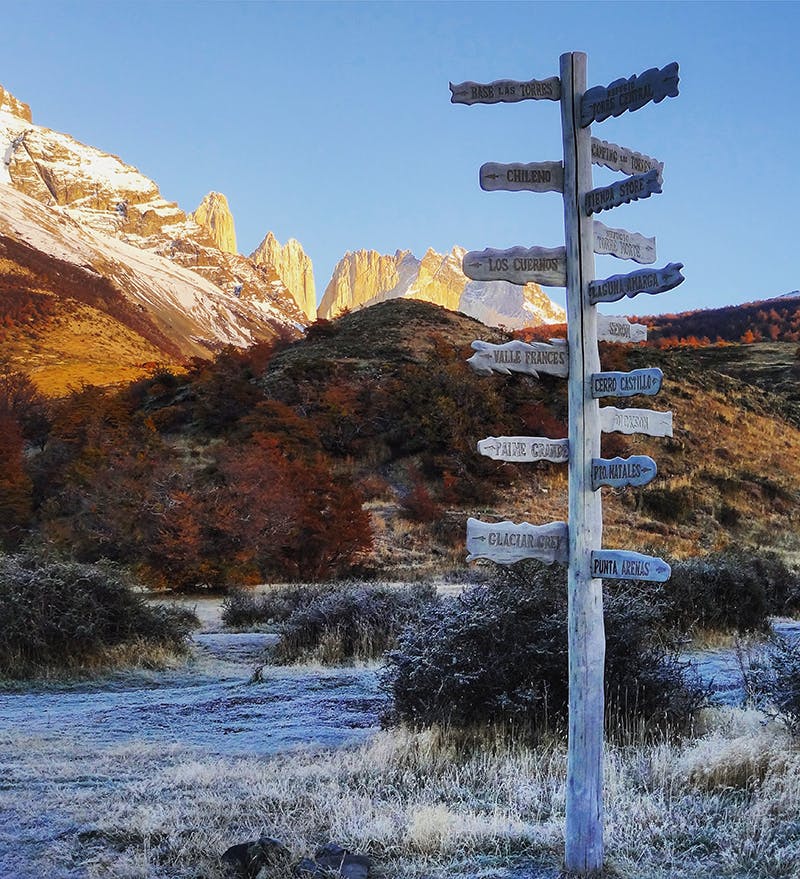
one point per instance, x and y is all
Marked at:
(620, 472)
(506, 91)
(627, 384)
(623, 244)
(600, 102)
(522, 177)
(621, 192)
(519, 265)
(525, 448)
(529, 357)
(507, 543)
(646, 421)
(619, 158)
(641, 281)
(621, 564)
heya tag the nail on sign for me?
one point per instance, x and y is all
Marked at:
(627, 384)
(519, 265)
(641, 281)
(525, 448)
(507, 543)
(621, 564)
(620, 472)
(531, 358)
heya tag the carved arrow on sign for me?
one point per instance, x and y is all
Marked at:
(531, 358)
(646, 421)
(519, 265)
(617, 329)
(506, 543)
(619, 472)
(624, 244)
(506, 91)
(525, 448)
(622, 564)
(600, 102)
(641, 281)
(627, 384)
(520, 177)
(621, 192)
(619, 158)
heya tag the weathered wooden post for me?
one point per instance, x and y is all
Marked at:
(579, 542)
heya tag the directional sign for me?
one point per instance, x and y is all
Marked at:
(621, 564)
(647, 421)
(624, 244)
(619, 472)
(506, 543)
(627, 384)
(506, 91)
(519, 177)
(525, 448)
(617, 329)
(520, 265)
(621, 192)
(531, 358)
(600, 102)
(619, 158)
(641, 281)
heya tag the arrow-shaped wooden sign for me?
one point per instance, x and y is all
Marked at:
(627, 384)
(622, 564)
(624, 244)
(641, 281)
(520, 177)
(602, 101)
(646, 421)
(531, 358)
(506, 543)
(519, 265)
(619, 472)
(618, 329)
(622, 192)
(506, 91)
(619, 158)
(525, 449)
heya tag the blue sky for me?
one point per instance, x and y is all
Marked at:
(331, 122)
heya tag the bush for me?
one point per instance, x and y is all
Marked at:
(243, 609)
(56, 614)
(774, 681)
(498, 655)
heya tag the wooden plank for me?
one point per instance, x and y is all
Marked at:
(622, 564)
(530, 358)
(600, 102)
(621, 472)
(507, 543)
(627, 384)
(519, 265)
(520, 177)
(584, 794)
(618, 329)
(641, 281)
(624, 244)
(525, 449)
(622, 192)
(647, 421)
(619, 158)
(505, 91)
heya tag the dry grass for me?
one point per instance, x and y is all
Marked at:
(421, 804)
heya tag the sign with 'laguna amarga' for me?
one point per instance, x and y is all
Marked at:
(641, 281)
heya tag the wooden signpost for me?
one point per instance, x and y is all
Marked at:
(579, 542)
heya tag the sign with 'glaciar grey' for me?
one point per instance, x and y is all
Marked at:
(506, 91)
(622, 564)
(525, 448)
(624, 244)
(521, 177)
(600, 102)
(627, 384)
(529, 357)
(619, 472)
(621, 192)
(519, 265)
(641, 281)
(506, 543)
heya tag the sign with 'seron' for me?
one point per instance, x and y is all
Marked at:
(618, 329)
(519, 265)
(520, 177)
(619, 472)
(646, 421)
(600, 102)
(621, 192)
(641, 281)
(531, 358)
(506, 91)
(622, 564)
(619, 158)
(623, 244)
(627, 384)
(506, 543)
(525, 448)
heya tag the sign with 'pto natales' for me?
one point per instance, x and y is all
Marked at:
(531, 358)
(507, 543)
(506, 91)
(519, 265)
(522, 177)
(641, 281)
(600, 102)
(525, 449)
(621, 564)
(620, 472)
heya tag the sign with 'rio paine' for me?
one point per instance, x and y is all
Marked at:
(531, 358)
(525, 448)
(519, 265)
(507, 543)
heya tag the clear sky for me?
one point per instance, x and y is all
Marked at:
(331, 122)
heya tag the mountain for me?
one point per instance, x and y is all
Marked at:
(365, 277)
(293, 267)
(87, 240)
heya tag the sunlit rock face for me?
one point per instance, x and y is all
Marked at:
(293, 267)
(214, 215)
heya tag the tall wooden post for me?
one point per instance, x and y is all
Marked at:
(584, 824)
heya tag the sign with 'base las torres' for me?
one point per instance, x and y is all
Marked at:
(622, 564)
(507, 543)
(506, 91)
(522, 177)
(519, 265)
(600, 102)
(619, 158)
(646, 421)
(531, 358)
(641, 281)
(618, 329)
(620, 472)
(624, 244)
(627, 384)
(622, 192)
(525, 448)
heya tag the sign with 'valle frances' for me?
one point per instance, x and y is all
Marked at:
(619, 472)
(622, 564)
(531, 358)
(525, 448)
(519, 265)
(600, 102)
(624, 244)
(507, 543)
(506, 91)
(641, 281)
(627, 384)
(522, 177)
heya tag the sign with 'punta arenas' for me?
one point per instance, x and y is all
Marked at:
(531, 358)
(627, 384)
(506, 543)
(641, 281)
(621, 192)
(600, 102)
(623, 244)
(619, 472)
(621, 564)
(506, 91)
(521, 177)
(525, 449)
(519, 265)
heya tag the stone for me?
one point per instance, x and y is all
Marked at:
(258, 859)
(293, 267)
(214, 214)
(10, 104)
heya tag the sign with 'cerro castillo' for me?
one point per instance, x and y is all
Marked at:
(507, 543)
(622, 564)
(641, 281)
(531, 358)
(600, 102)
(506, 91)
(627, 384)
(620, 472)
(521, 177)
(525, 448)
(519, 265)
